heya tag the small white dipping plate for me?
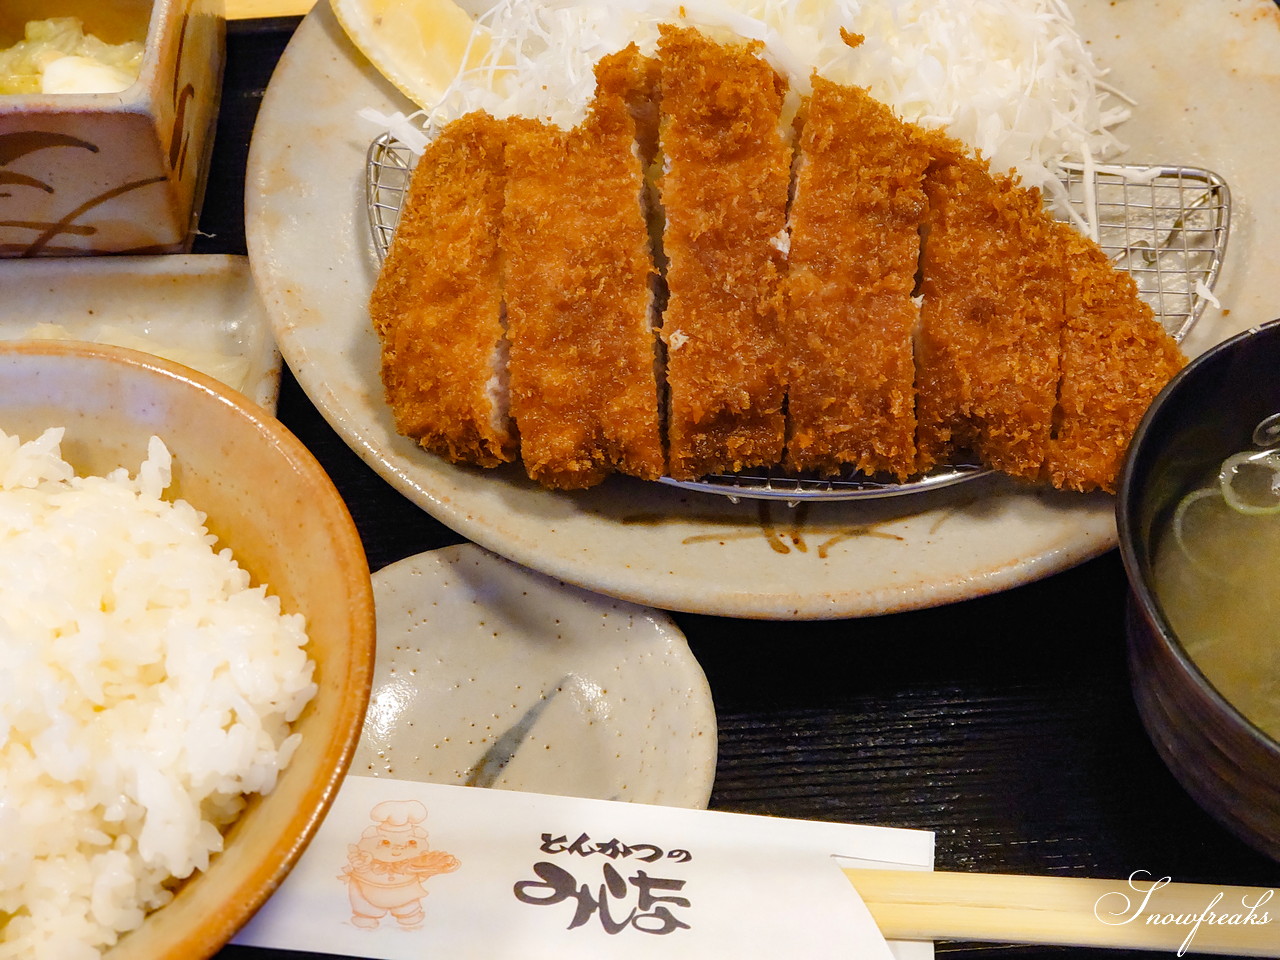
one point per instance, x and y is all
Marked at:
(492, 675)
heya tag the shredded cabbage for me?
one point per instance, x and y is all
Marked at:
(1011, 78)
(59, 45)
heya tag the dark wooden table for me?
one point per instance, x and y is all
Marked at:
(1004, 724)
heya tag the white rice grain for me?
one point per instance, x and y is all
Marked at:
(148, 686)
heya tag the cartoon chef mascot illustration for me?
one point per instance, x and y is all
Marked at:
(386, 870)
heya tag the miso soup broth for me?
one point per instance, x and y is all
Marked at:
(1216, 575)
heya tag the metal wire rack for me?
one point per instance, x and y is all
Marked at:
(388, 165)
(1166, 225)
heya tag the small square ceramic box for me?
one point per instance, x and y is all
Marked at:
(113, 172)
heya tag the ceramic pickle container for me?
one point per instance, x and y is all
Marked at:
(113, 172)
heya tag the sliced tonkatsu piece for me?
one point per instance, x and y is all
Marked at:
(991, 318)
(580, 314)
(1115, 358)
(724, 195)
(437, 304)
(855, 222)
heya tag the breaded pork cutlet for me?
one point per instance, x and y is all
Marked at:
(579, 296)
(1115, 358)
(437, 304)
(724, 196)
(855, 244)
(638, 79)
(991, 318)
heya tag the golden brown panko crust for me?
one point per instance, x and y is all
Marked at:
(855, 246)
(579, 296)
(1115, 358)
(437, 302)
(724, 193)
(991, 318)
(1032, 351)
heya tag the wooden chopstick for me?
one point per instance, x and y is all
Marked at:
(251, 9)
(1072, 911)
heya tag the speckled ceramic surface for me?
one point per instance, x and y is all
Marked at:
(492, 675)
(202, 311)
(1207, 87)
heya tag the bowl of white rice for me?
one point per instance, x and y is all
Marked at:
(187, 631)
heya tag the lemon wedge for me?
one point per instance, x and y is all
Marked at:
(419, 45)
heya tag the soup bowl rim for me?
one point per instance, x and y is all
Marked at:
(1131, 490)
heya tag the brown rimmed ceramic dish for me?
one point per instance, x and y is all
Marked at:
(267, 499)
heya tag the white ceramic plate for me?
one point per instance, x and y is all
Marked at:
(199, 310)
(1204, 75)
(492, 675)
